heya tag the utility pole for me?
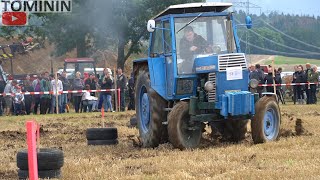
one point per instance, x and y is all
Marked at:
(247, 5)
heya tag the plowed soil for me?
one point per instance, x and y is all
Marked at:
(294, 156)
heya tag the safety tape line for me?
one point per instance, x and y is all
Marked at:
(289, 84)
(60, 92)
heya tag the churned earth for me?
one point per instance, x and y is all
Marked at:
(294, 156)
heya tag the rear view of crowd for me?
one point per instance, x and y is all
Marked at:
(301, 93)
(83, 101)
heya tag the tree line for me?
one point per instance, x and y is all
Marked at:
(281, 34)
(120, 26)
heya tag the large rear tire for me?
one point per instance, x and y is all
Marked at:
(180, 134)
(265, 125)
(150, 112)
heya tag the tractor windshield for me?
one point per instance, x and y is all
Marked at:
(204, 36)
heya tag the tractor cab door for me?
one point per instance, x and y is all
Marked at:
(160, 59)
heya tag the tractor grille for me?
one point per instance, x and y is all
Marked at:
(212, 94)
(232, 60)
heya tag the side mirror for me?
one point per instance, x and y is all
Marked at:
(248, 22)
(151, 25)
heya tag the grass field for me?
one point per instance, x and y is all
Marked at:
(282, 60)
(292, 157)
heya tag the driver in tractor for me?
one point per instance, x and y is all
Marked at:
(192, 44)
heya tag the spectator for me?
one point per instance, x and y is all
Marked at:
(131, 105)
(313, 78)
(56, 88)
(18, 102)
(251, 68)
(258, 74)
(278, 80)
(103, 86)
(91, 81)
(107, 83)
(122, 85)
(294, 79)
(307, 87)
(45, 99)
(300, 78)
(78, 84)
(9, 89)
(85, 76)
(2, 101)
(66, 87)
(28, 99)
(36, 98)
(88, 101)
(269, 80)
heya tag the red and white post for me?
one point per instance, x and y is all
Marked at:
(32, 133)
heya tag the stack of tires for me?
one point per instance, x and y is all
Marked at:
(102, 136)
(50, 162)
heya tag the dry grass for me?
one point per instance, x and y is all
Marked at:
(292, 157)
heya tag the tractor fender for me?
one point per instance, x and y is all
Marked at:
(270, 94)
(185, 99)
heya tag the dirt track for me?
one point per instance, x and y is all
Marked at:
(294, 156)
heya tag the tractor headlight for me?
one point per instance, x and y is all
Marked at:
(254, 83)
(209, 86)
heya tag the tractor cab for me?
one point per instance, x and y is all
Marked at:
(193, 39)
(83, 65)
(196, 75)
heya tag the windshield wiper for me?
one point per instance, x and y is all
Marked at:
(189, 22)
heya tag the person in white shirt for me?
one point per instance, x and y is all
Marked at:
(18, 102)
(56, 92)
(9, 88)
(88, 101)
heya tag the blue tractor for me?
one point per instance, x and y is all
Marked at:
(196, 76)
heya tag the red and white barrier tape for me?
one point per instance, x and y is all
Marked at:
(60, 92)
(289, 84)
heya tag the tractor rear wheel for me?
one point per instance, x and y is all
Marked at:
(181, 134)
(265, 125)
(150, 112)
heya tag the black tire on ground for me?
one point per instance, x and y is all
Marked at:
(102, 133)
(103, 142)
(156, 133)
(133, 121)
(179, 136)
(24, 174)
(235, 130)
(257, 123)
(48, 159)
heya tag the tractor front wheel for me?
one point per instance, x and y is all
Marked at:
(182, 135)
(265, 125)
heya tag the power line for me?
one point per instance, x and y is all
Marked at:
(273, 51)
(285, 46)
(279, 44)
(288, 36)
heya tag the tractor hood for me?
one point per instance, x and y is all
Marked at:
(206, 64)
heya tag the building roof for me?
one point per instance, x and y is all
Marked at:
(194, 8)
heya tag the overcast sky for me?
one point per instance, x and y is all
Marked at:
(310, 7)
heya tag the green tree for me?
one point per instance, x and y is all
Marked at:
(95, 25)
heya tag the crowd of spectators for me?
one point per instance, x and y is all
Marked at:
(15, 103)
(301, 93)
